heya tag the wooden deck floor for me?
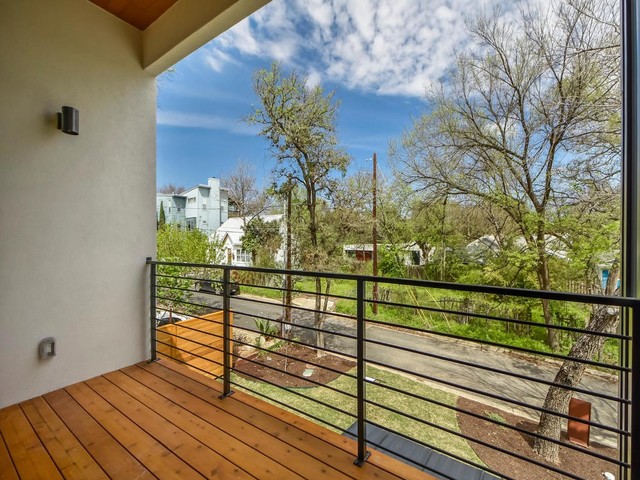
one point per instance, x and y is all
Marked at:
(163, 421)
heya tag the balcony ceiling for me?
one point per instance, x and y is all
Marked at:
(138, 13)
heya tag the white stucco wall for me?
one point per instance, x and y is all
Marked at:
(72, 265)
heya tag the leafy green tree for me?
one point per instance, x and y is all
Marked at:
(187, 246)
(299, 121)
(162, 220)
(263, 240)
(392, 261)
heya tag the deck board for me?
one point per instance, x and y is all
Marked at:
(298, 430)
(164, 421)
(198, 455)
(214, 436)
(7, 470)
(27, 452)
(157, 458)
(73, 461)
(114, 459)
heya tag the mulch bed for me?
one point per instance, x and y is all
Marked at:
(572, 461)
(261, 366)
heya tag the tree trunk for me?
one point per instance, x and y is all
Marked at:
(544, 280)
(318, 318)
(604, 319)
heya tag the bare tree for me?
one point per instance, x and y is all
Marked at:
(532, 108)
(171, 188)
(244, 194)
(529, 122)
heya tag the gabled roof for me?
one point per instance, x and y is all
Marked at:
(234, 228)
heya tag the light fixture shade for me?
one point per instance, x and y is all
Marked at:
(69, 120)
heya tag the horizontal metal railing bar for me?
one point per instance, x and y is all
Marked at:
(182, 362)
(498, 345)
(314, 347)
(184, 302)
(595, 424)
(287, 406)
(489, 315)
(495, 370)
(494, 396)
(297, 393)
(296, 325)
(175, 335)
(301, 308)
(173, 288)
(295, 290)
(411, 461)
(351, 317)
(290, 357)
(389, 387)
(443, 451)
(190, 316)
(521, 430)
(501, 319)
(306, 327)
(191, 353)
(500, 291)
(467, 437)
(328, 387)
(506, 399)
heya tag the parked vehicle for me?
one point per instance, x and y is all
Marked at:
(164, 318)
(217, 287)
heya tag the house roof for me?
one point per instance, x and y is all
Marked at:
(234, 228)
(368, 247)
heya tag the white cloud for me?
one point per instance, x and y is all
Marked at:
(205, 121)
(216, 59)
(394, 47)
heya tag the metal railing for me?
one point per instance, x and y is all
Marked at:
(416, 345)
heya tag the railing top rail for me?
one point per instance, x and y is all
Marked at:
(488, 289)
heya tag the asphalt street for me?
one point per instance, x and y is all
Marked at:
(461, 367)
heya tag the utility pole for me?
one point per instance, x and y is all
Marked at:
(288, 286)
(375, 235)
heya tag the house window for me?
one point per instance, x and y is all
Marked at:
(204, 206)
(243, 256)
(191, 200)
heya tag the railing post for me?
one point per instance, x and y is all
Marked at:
(152, 307)
(363, 454)
(226, 332)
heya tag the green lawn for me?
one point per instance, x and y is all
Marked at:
(529, 337)
(419, 408)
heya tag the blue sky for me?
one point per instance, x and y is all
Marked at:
(378, 55)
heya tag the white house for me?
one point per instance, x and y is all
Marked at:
(230, 234)
(411, 252)
(489, 245)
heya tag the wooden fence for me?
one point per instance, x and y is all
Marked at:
(196, 342)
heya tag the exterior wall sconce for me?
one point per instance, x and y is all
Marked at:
(69, 120)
